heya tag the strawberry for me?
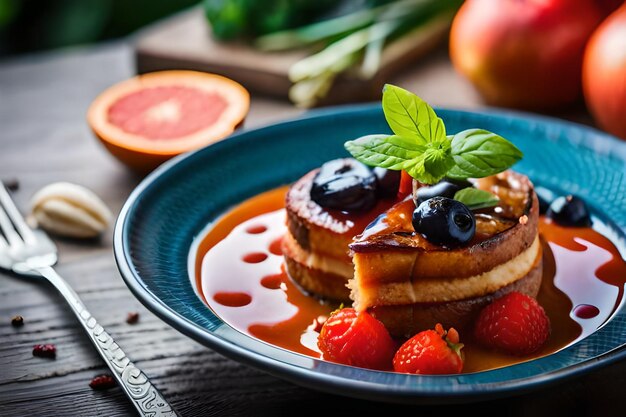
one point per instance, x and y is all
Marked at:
(356, 339)
(514, 323)
(431, 352)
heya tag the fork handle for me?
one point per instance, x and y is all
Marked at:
(145, 397)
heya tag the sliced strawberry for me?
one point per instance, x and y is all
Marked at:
(431, 352)
(356, 339)
(514, 323)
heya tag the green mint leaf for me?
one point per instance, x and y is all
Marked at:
(476, 199)
(391, 152)
(421, 148)
(426, 163)
(411, 117)
(418, 168)
(478, 153)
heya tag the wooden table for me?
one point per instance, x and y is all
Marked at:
(44, 138)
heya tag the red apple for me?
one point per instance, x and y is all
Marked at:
(604, 73)
(608, 6)
(523, 53)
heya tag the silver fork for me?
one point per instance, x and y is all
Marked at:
(29, 252)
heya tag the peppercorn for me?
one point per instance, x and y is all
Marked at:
(132, 317)
(45, 351)
(12, 184)
(17, 321)
(102, 382)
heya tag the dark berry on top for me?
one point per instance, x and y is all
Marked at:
(340, 167)
(346, 185)
(346, 193)
(444, 188)
(569, 211)
(388, 182)
(444, 222)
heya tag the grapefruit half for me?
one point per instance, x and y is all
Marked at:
(150, 118)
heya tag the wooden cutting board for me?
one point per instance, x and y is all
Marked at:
(184, 42)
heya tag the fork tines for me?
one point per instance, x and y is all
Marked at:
(13, 228)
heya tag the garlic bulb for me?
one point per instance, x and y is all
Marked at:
(70, 210)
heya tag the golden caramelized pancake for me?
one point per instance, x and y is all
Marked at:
(316, 247)
(411, 284)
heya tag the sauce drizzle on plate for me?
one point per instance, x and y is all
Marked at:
(582, 286)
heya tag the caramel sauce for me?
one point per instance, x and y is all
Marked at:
(583, 283)
(263, 203)
(353, 224)
(398, 220)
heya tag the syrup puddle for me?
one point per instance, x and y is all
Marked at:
(240, 274)
(249, 261)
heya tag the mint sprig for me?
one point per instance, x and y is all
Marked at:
(421, 147)
(425, 161)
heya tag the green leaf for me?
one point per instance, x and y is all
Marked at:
(426, 163)
(478, 153)
(411, 117)
(391, 152)
(421, 148)
(476, 199)
(438, 160)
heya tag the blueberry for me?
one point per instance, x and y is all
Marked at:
(338, 167)
(444, 188)
(444, 221)
(388, 182)
(569, 211)
(344, 184)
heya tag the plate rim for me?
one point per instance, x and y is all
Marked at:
(328, 382)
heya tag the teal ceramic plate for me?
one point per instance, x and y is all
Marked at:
(161, 218)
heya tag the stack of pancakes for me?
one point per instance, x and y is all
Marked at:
(407, 282)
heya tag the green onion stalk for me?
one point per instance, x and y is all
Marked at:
(355, 43)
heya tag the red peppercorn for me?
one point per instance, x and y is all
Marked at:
(45, 351)
(132, 318)
(102, 382)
